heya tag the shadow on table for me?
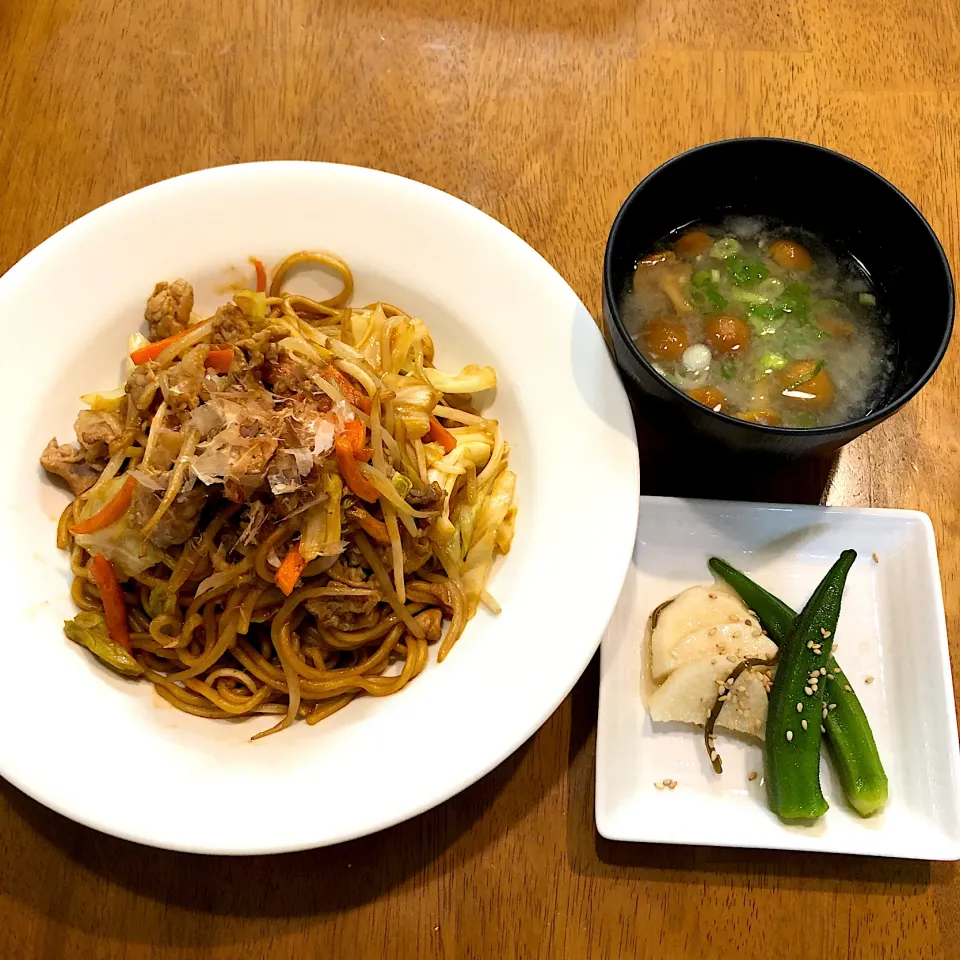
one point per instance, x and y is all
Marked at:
(296, 885)
(591, 855)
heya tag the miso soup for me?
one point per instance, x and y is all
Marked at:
(761, 322)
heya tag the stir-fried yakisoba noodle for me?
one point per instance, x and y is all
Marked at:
(284, 503)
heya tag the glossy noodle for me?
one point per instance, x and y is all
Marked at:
(284, 505)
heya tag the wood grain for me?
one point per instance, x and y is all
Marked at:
(544, 115)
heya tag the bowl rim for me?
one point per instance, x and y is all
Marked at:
(863, 422)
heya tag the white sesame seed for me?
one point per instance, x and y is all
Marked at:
(752, 775)
(847, 687)
(729, 681)
(748, 622)
(825, 712)
(712, 632)
(833, 706)
(658, 785)
(823, 671)
(868, 680)
(823, 729)
(803, 723)
(809, 644)
(799, 707)
(829, 676)
(876, 559)
(789, 734)
(733, 618)
(672, 784)
(712, 596)
(808, 691)
(713, 754)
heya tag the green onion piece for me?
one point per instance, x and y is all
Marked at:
(725, 247)
(745, 272)
(401, 484)
(800, 381)
(773, 361)
(706, 295)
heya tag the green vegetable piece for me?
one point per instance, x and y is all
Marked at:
(795, 299)
(745, 272)
(764, 318)
(89, 629)
(772, 361)
(868, 299)
(849, 738)
(160, 601)
(728, 370)
(743, 295)
(793, 752)
(803, 419)
(725, 247)
(706, 295)
(401, 484)
(771, 288)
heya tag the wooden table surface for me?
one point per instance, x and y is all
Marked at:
(544, 115)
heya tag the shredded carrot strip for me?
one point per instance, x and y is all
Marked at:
(114, 606)
(153, 350)
(110, 512)
(348, 388)
(290, 569)
(220, 360)
(442, 435)
(261, 275)
(355, 432)
(351, 476)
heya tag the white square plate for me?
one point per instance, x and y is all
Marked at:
(891, 628)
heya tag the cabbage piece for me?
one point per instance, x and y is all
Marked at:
(333, 488)
(89, 629)
(369, 344)
(506, 530)
(105, 401)
(252, 303)
(313, 533)
(134, 342)
(471, 379)
(121, 543)
(414, 400)
(479, 559)
(443, 469)
(160, 602)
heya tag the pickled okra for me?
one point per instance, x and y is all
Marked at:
(848, 736)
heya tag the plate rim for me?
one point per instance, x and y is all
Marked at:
(948, 847)
(621, 552)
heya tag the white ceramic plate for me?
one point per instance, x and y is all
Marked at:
(108, 752)
(891, 628)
